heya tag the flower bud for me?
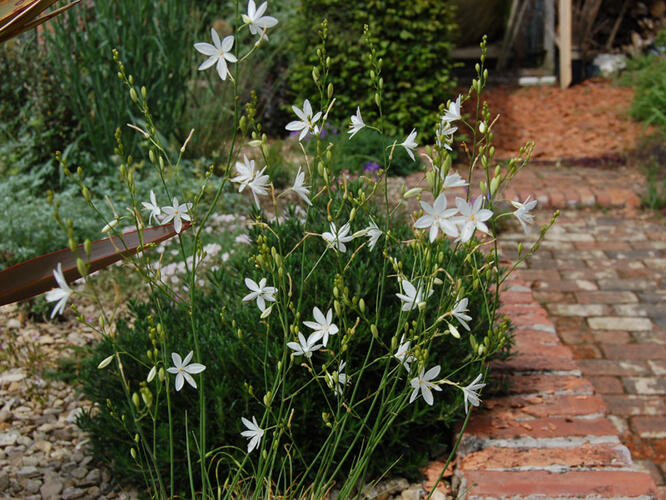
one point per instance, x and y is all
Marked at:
(161, 374)
(86, 193)
(81, 267)
(374, 331)
(133, 452)
(133, 95)
(361, 305)
(147, 396)
(151, 374)
(136, 400)
(87, 245)
(330, 90)
(267, 398)
(105, 362)
(412, 192)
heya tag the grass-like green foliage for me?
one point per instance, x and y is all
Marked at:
(242, 351)
(154, 41)
(647, 75)
(412, 38)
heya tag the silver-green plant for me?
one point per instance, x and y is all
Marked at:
(270, 466)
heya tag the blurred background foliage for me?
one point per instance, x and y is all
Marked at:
(59, 90)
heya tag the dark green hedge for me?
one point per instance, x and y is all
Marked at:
(413, 39)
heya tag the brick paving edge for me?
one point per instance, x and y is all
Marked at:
(549, 437)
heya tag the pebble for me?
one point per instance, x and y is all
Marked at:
(51, 490)
(4, 480)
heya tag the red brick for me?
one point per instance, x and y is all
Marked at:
(534, 383)
(524, 346)
(612, 367)
(575, 336)
(611, 336)
(585, 351)
(516, 297)
(632, 405)
(586, 455)
(560, 297)
(607, 385)
(535, 362)
(538, 406)
(650, 427)
(635, 351)
(602, 245)
(493, 424)
(605, 483)
(645, 385)
(539, 274)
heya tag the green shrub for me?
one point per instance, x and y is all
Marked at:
(412, 38)
(154, 40)
(36, 121)
(241, 350)
(364, 153)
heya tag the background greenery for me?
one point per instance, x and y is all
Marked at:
(413, 39)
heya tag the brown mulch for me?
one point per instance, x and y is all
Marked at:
(591, 119)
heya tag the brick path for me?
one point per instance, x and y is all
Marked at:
(600, 275)
(586, 412)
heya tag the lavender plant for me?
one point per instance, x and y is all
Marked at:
(344, 321)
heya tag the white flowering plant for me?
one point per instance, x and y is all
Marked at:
(327, 352)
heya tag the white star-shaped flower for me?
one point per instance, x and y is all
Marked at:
(459, 311)
(256, 20)
(453, 113)
(184, 370)
(176, 213)
(245, 171)
(259, 185)
(437, 217)
(152, 207)
(300, 188)
(307, 121)
(523, 214)
(473, 217)
(254, 433)
(410, 144)
(339, 379)
(259, 292)
(305, 347)
(323, 326)
(218, 53)
(402, 354)
(453, 181)
(411, 297)
(423, 384)
(60, 294)
(444, 134)
(470, 392)
(356, 123)
(373, 233)
(336, 238)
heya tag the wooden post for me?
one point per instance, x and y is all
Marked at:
(565, 43)
(549, 36)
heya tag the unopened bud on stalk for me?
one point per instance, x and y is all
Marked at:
(315, 74)
(136, 400)
(133, 95)
(147, 396)
(361, 305)
(87, 245)
(412, 192)
(80, 265)
(161, 374)
(330, 90)
(498, 169)
(337, 307)
(105, 362)
(352, 214)
(132, 451)
(268, 398)
(374, 331)
(494, 184)
(377, 99)
(520, 248)
(151, 374)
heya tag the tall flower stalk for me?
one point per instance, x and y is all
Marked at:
(364, 378)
